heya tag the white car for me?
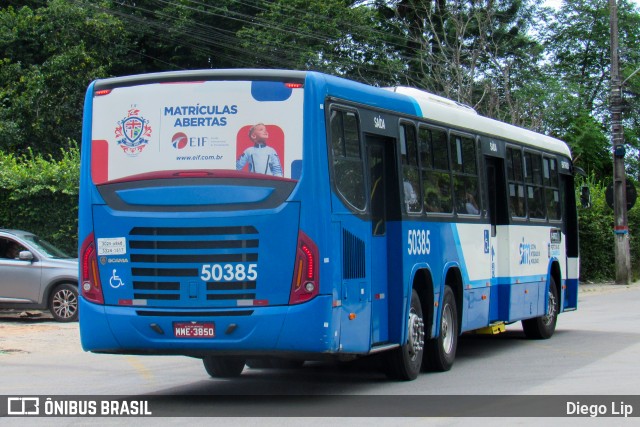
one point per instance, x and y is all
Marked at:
(35, 275)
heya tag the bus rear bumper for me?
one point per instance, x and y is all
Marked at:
(302, 328)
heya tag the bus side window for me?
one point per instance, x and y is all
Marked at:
(516, 183)
(535, 191)
(347, 157)
(436, 176)
(410, 169)
(465, 170)
(552, 194)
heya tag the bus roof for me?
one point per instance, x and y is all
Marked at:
(198, 75)
(447, 112)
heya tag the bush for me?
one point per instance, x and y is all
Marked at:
(595, 225)
(633, 217)
(597, 240)
(40, 195)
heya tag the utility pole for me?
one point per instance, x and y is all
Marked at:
(621, 228)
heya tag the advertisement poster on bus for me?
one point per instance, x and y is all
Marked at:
(210, 125)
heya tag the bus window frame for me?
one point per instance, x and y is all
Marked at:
(402, 122)
(429, 126)
(330, 106)
(558, 188)
(540, 185)
(479, 193)
(512, 216)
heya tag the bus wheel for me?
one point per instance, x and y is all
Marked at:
(543, 327)
(223, 366)
(404, 363)
(441, 351)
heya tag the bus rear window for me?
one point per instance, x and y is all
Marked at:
(243, 126)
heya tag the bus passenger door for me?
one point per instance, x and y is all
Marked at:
(498, 236)
(570, 229)
(384, 208)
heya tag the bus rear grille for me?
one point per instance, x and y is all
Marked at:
(353, 257)
(168, 264)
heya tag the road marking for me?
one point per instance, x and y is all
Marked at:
(140, 367)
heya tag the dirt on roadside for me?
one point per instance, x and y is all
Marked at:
(26, 334)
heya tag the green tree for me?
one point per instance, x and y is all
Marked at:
(589, 144)
(48, 57)
(597, 258)
(578, 45)
(479, 53)
(40, 194)
(339, 37)
(185, 34)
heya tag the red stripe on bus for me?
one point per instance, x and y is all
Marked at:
(99, 161)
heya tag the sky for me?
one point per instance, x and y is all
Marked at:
(556, 3)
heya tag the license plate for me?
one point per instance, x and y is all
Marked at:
(194, 330)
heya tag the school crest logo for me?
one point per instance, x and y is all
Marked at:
(133, 133)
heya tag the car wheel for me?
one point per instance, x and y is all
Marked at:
(63, 303)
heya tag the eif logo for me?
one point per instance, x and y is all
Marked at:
(179, 140)
(23, 406)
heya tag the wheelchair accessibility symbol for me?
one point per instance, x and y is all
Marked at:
(115, 280)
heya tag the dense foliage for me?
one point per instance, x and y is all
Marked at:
(514, 60)
(40, 195)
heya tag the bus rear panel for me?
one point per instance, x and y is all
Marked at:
(190, 225)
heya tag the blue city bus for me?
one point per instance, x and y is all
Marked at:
(263, 216)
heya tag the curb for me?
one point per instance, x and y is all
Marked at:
(605, 287)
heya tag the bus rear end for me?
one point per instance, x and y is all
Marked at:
(190, 234)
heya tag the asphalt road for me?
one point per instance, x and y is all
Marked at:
(594, 351)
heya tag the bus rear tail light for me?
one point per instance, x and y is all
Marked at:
(89, 277)
(306, 283)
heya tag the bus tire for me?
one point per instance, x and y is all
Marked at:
(223, 366)
(404, 363)
(543, 327)
(441, 351)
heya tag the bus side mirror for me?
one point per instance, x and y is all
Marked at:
(585, 197)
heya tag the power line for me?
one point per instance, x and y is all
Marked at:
(199, 30)
(223, 44)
